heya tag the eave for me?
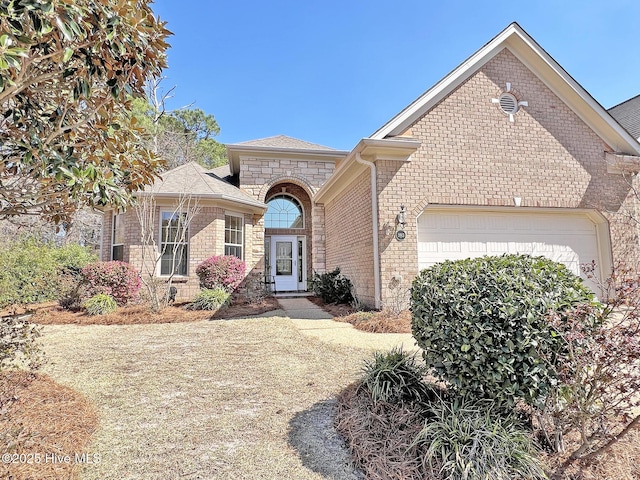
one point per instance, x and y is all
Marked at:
(397, 149)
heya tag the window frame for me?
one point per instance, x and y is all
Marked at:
(293, 200)
(113, 236)
(242, 232)
(161, 244)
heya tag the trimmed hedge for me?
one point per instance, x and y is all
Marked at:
(332, 287)
(481, 323)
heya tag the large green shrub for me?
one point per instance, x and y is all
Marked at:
(332, 287)
(481, 323)
(33, 271)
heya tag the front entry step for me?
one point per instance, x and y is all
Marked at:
(292, 294)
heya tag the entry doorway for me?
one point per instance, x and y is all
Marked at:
(285, 258)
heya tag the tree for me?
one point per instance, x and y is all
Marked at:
(68, 73)
(185, 209)
(179, 136)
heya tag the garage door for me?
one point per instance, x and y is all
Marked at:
(568, 238)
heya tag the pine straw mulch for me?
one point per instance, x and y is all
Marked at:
(39, 416)
(380, 442)
(379, 322)
(52, 314)
(380, 437)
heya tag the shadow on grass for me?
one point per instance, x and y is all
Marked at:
(321, 448)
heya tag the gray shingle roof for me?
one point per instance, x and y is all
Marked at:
(192, 178)
(627, 114)
(282, 141)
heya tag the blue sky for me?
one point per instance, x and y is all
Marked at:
(332, 72)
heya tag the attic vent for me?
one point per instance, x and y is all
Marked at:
(508, 103)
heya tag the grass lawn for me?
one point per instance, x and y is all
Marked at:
(209, 399)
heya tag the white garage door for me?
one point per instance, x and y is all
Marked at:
(568, 238)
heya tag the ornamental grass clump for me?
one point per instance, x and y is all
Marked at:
(211, 299)
(482, 324)
(100, 304)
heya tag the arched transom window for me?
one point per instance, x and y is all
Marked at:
(283, 212)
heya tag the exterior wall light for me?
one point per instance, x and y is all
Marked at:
(401, 217)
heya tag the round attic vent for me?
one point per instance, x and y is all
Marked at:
(508, 103)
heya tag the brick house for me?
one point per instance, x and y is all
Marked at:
(507, 153)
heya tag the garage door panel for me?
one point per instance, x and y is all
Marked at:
(566, 238)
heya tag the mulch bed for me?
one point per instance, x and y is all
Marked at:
(335, 309)
(42, 422)
(379, 322)
(52, 314)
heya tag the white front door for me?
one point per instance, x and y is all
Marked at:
(284, 262)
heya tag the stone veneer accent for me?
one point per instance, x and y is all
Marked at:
(471, 154)
(259, 176)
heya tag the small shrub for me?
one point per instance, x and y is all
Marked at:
(211, 299)
(100, 304)
(221, 271)
(332, 287)
(471, 440)
(482, 323)
(118, 279)
(395, 377)
(18, 343)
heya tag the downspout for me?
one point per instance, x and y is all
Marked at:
(374, 217)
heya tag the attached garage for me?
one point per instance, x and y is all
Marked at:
(571, 237)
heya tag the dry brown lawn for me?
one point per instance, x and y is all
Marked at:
(240, 399)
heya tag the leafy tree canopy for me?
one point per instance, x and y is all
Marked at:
(182, 135)
(68, 72)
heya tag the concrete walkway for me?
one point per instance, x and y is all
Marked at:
(313, 321)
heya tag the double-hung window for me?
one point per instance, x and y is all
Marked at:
(117, 238)
(174, 243)
(233, 235)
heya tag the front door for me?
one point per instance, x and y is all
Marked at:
(284, 261)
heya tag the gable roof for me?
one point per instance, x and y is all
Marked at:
(283, 141)
(534, 57)
(193, 179)
(280, 146)
(627, 114)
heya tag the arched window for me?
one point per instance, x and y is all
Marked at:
(283, 212)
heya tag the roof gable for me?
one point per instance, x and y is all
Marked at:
(193, 179)
(541, 64)
(283, 141)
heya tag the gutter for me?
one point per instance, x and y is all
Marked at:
(374, 217)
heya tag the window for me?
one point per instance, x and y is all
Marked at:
(283, 212)
(173, 244)
(233, 235)
(117, 238)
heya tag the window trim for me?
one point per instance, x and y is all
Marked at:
(187, 242)
(295, 200)
(242, 233)
(113, 234)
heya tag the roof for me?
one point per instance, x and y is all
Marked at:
(193, 179)
(518, 42)
(282, 141)
(280, 146)
(627, 114)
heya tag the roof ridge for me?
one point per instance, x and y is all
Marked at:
(623, 102)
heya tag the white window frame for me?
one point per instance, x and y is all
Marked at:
(161, 245)
(234, 245)
(295, 200)
(113, 234)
